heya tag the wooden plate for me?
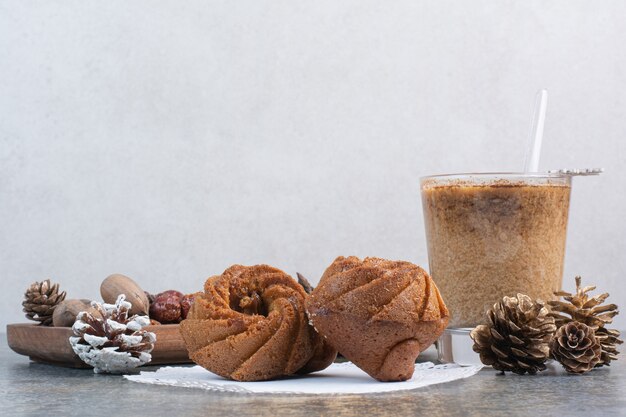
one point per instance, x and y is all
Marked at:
(51, 344)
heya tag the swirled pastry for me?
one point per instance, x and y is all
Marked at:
(379, 314)
(250, 324)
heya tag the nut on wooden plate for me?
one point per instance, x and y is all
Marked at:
(65, 313)
(117, 284)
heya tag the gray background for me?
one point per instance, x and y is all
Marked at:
(170, 140)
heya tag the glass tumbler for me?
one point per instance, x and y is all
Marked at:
(491, 235)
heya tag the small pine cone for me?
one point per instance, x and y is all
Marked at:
(590, 311)
(576, 347)
(609, 339)
(308, 288)
(115, 342)
(40, 300)
(516, 335)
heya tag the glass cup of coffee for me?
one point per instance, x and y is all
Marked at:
(491, 235)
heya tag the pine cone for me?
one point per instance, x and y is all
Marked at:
(308, 288)
(576, 347)
(516, 335)
(114, 343)
(588, 310)
(40, 300)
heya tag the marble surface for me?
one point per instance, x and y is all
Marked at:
(30, 388)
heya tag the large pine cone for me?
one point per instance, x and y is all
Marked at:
(590, 311)
(575, 346)
(250, 324)
(114, 342)
(379, 314)
(516, 335)
(40, 300)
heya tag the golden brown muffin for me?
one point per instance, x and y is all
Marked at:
(379, 314)
(250, 324)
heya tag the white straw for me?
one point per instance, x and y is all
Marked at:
(531, 164)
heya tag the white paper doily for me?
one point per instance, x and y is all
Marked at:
(338, 378)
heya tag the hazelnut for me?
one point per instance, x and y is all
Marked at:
(65, 313)
(185, 304)
(169, 293)
(166, 307)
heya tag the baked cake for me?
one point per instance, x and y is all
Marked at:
(379, 314)
(250, 324)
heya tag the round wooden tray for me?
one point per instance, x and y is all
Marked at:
(51, 344)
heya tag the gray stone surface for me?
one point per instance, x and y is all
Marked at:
(29, 388)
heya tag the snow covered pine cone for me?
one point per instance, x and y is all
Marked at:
(114, 343)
